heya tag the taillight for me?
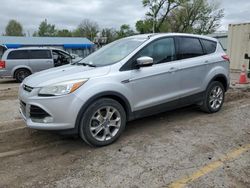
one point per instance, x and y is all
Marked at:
(226, 57)
(2, 64)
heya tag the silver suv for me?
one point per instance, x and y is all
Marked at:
(22, 62)
(130, 78)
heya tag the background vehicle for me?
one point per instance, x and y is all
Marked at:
(130, 78)
(22, 62)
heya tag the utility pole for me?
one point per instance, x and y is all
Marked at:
(154, 18)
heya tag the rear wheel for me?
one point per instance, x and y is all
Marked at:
(103, 122)
(21, 74)
(214, 97)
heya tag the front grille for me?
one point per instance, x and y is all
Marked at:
(37, 112)
(27, 88)
(23, 107)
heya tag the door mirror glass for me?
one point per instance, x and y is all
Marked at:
(144, 61)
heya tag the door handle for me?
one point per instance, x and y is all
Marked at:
(206, 62)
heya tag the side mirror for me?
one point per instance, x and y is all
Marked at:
(246, 56)
(144, 61)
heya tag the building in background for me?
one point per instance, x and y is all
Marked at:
(238, 45)
(73, 45)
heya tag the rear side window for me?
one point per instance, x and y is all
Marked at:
(40, 54)
(209, 46)
(18, 54)
(189, 47)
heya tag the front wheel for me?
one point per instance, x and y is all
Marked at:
(214, 97)
(103, 122)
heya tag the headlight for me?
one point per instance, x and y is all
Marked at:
(62, 88)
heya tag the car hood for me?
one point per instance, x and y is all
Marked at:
(64, 73)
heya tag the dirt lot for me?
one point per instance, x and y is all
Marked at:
(182, 148)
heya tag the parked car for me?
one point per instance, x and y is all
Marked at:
(22, 62)
(76, 58)
(128, 79)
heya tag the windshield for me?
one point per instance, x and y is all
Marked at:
(113, 52)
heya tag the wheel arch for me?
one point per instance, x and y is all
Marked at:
(222, 79)
(108, 94)
(18, 68)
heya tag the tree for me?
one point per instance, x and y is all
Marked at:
(196, 16)
(144, 26)
(124, 31)
(64, 33)
(46, 30)
(109, 33)
(159, 10)
(87, 28)
(14, 28)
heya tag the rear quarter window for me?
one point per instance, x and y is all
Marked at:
(209, 46)
(40, 54)
(18, 54)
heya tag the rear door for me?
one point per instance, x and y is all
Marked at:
(192, 65)
(16, 59)
(40, 59)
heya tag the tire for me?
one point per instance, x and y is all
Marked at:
(99, 128)
(214, 97)
(21, 74)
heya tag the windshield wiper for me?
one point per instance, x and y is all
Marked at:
(87, 64)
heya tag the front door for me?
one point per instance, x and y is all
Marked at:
(159, 83)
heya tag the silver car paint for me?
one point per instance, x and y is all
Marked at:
(33, 65)
(144, 89)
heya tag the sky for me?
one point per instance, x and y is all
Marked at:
(107, 13)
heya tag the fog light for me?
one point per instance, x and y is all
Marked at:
(48, 120)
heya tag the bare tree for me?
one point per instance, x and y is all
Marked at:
(87, 28)
(159, 10)
(196, 16)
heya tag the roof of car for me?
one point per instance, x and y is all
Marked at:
(35, 48)
(158, 35)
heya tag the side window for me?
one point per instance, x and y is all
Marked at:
(189, 47)
(40, 54)
(209, 46)
(18, 54)
(162, 50)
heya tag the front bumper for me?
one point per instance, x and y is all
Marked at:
(58, 113)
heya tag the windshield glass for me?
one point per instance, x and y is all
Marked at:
(113, 52)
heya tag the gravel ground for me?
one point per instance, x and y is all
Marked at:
(152, 152)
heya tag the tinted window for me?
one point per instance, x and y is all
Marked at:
(209, 46)
(40, 54)
(161, 51)
(189, 47)
(18, 54)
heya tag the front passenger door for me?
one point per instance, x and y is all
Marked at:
(159, 83)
